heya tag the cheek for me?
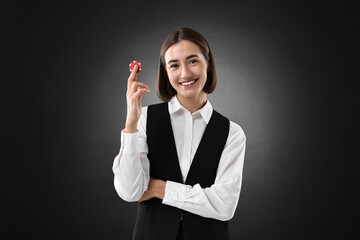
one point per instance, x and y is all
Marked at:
(172, 76)
(202, 71)
(203, 74)
(172, 80)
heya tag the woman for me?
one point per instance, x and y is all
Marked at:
(180, 159)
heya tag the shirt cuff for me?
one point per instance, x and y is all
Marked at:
(174, 193)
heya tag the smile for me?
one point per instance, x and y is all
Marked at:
(188, 83)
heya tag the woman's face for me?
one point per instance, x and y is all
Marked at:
(186, 68)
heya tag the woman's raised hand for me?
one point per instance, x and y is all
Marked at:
(134, 94)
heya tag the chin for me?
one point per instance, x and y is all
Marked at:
(188, 95)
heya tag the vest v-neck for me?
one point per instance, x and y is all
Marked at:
(163, 157)
(197, 154)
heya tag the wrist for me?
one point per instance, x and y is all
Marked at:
(130, 128)
(161, 190)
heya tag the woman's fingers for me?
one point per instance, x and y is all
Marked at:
(135, 86)
(133, 76)
(140, 92)
(146, 196)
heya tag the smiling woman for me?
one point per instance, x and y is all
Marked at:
(198, 51)
(187, 73)
(180, 159)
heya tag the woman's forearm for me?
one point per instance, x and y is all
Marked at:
(131, 168)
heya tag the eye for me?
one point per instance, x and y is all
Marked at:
(193, 61)
(173, 66)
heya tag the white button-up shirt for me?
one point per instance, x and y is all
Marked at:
(131, 165)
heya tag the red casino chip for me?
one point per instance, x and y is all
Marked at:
(132, 65)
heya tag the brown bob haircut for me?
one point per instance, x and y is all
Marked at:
(164, 89)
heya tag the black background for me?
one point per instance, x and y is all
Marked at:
(284, 76)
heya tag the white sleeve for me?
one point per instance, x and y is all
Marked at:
(131, 165)
(220, 200)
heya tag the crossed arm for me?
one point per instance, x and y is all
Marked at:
(133, 183)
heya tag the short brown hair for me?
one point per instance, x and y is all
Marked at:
(164, 89)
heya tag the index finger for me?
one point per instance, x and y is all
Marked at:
(133, 74)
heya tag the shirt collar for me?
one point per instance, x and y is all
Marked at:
(205, 112)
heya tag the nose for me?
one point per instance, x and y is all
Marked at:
(185, 72)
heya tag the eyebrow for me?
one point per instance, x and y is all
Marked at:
(191, 56)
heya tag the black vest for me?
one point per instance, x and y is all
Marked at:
(157, 221)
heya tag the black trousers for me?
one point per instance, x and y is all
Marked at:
(180, 235)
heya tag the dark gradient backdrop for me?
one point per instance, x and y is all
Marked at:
(283, 76)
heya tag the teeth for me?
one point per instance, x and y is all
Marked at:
(188, 83)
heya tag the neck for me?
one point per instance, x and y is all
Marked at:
(193, 104)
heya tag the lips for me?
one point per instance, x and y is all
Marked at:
(189, 82)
